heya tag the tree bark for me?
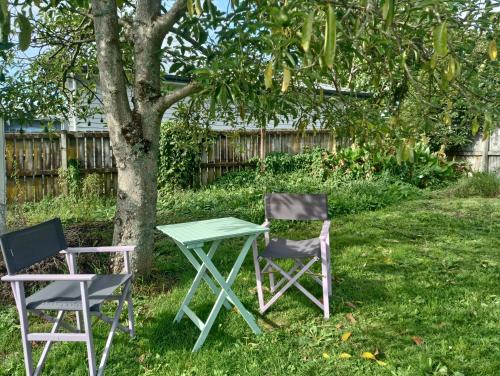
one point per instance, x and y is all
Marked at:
(135, 129)
(3, 181)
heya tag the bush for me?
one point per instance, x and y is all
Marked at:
(423, 168)
(240, 193)
(480, 184)
(181, 146)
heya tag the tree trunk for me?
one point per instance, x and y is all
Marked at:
(135, 216)
(135, 130)
(3, 181)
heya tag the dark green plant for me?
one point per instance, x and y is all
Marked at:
(480, 184)
(70, 179)
(181, 147)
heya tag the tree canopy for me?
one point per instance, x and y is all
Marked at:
(267, 59)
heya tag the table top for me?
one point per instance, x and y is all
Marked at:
(190, 233)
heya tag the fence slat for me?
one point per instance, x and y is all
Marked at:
(38, 157)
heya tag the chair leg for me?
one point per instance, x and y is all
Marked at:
(78, 320)
(272, 284)
(18, 289)
(258, 276)
(326, 280)
(131, 322)
(330, 290)
(87, 326)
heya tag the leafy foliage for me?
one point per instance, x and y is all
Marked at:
(480, 184)
(181, 147)
(425, 169)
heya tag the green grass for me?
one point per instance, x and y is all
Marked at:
(426, 268)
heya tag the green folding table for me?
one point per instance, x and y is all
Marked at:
(191, 237)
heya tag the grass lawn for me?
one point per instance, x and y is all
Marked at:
(426, 268)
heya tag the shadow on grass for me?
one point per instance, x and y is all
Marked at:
(163, 333)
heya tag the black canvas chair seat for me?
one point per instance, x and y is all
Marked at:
(66, 296)
(285, 248)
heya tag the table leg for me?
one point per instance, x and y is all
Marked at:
(197, 280)
(225, 291)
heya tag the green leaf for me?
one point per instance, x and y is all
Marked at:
(197, 7)
(330, 36)
(488, 122)
(388, 12)
(25, 30)
(307, 29)
(287, 79)
(175, 67)
(492, 50)
(119, 3)
(451, 70)
(4, 11)
(5, 31)
(474, 126)
(268, 76)
(190, 7)
(440, 39)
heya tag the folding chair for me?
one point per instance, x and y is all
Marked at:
(79, 293)
(305, 253)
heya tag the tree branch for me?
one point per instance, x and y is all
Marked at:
(166, 101)
(166, 22)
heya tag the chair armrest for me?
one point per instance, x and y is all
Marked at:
(48, 277)
(113, 249)
(325, 230)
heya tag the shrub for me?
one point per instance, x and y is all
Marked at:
(92, 186)
(480, 184)
(181, 146)
(423, 169)
(70, 179)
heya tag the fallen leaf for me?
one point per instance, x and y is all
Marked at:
(326, 356)
(346, 336)
(368, 356)
(351, 318)
(418, 340)
(352, 305)
(380, 363)
(344, 355)
(339, 325)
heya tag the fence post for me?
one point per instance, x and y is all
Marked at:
(64, 149)
(3, 180)
(485, 158)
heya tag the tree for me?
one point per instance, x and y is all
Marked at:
(266, 58)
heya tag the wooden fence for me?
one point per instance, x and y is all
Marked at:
(34, 161)
(483, 155)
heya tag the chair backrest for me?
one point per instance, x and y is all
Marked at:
(296, 206)
(24, 248)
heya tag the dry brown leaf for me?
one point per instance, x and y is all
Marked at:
(345, 336)
(418, 340)
(351, 318)
(351, 305)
